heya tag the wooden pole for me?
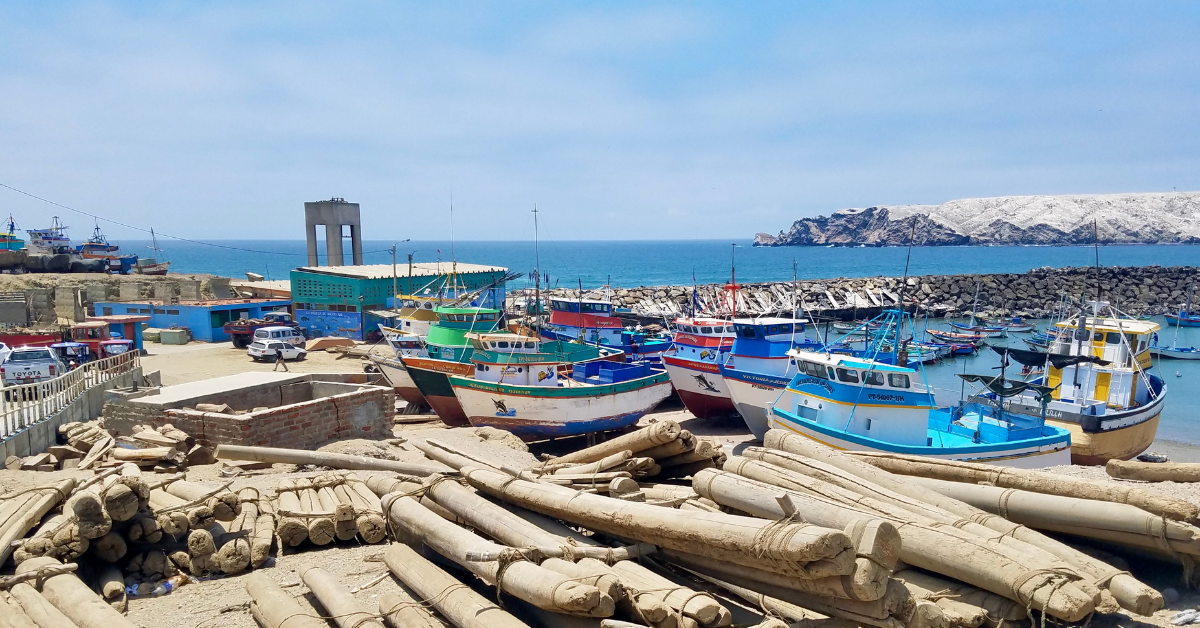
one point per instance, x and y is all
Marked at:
(339, 603)
(39, 609)
(1153, 471)
(323, 459)
(453, 600)
(401, 610)
(650, 436)
(74, 599)
(292, 531)
(12, 615)
(224, 503)
(29, 514)
(276, 607)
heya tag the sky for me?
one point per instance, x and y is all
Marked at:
(619, 120)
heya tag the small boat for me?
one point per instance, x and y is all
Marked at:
(403, 344)
(98, 247)
(950, 336)
(1011, 323)
(1177, 353)
(540, 390)
(863, 404)
(593, 321)
(9, 240)
(1185, 317)
(985, 331)
(151, 265)
(693, 364)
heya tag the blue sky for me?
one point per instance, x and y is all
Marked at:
(620, 120)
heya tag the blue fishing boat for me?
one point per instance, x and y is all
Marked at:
(9, 240)
(98, 247)
(1185, 317)
(592, 321)
(870, 404)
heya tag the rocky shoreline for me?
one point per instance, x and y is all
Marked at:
(1139, 291)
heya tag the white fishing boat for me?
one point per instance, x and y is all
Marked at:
(152, 265)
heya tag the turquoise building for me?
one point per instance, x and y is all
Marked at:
(350, 301)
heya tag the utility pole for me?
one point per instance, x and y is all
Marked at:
(394, 245)
(410, 272)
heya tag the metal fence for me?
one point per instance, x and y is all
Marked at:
(22, 406)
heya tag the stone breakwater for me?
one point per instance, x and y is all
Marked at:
(1035, 294)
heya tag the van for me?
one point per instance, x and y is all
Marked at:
(283, 334)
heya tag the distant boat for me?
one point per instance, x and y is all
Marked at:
(9, 240)
(1177, 353)
(49, 241)
(151, 265)
(98, 247)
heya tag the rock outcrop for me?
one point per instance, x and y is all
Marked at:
(1154, 218)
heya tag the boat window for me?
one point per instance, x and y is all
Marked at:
(531, 345)
(848, 376)
(1112, 338)
(746, 332)
(1083, 334)
(706, 330)
(874, 378)
(503, 344)
(898, 380)
(816, 370)
(773, 329)
(429, 306)
(831, 374)
(785, 329)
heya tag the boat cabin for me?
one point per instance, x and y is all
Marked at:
(766, 337)
(585, 313)
(504, 343)
(1125, 343)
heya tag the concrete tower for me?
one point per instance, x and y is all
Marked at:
(333, 213)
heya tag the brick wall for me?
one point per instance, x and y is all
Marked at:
(364, 413)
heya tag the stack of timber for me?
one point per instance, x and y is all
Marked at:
(1130, 516)
(327, 508)
(90, 446)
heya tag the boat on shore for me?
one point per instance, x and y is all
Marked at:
(98, 247)
(448, 352)
(403, 344)
(758, 366)
(592, 321)
(9, 240)
(152, 265)
(52, 240)
(693, 364)
(548, 389)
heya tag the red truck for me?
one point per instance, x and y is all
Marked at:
(242, 331)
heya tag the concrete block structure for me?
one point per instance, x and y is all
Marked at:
(130, 292)
(333, 214)
(291, 410)
(340, 301)
(205, 319)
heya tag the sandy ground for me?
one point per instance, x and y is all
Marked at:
(53, 280)
(355, 565)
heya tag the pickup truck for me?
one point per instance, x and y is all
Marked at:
(242, 331)
(31, 365)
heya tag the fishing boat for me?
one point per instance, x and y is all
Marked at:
(98, 247)
(9, 240)
(1011, 323)
(955, 337)
(758, 366)
(152, 265)
(1101, 390)
(986, 331)
(448, 352)
(592, 321)
(1175, 352)
(403, 344)
(864, 404)
(1185, 317)
(50, 241)
(693, 364)
(548, 389)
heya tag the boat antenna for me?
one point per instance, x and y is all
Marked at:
(903, 284)
(1096, 245)
(537, 281)
(733, 280)
(795, 302)
(582, 324)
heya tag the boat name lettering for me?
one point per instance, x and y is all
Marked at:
(884, 397)
(824, 385)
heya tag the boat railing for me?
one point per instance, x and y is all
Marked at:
(24, 405)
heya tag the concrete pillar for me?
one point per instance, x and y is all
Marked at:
(189, 290)
(165, 290)
(333, 214)
(130, 292)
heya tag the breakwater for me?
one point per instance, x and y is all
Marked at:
(1140, 290)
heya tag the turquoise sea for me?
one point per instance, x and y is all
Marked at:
(630, 263)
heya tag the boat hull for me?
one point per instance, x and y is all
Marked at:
(1175, 320)
(1177, 354)
(1122, 443)
(432, 380)
(396, 375)
(542, 412)
(700, 386)
(752, 394)
(1031, 455)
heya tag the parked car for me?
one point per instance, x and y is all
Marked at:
(30, 365)
(281, 333)
(242, 331)
(266, 350)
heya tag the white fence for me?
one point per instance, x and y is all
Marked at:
(23, 406)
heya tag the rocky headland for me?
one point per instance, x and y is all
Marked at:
(1152, 218)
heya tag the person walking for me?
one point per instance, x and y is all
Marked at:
(279, 361)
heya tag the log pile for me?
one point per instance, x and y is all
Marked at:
(327, 508)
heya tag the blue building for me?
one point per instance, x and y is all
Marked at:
(339, 300)
(205, 319)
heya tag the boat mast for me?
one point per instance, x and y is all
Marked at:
(537, 280)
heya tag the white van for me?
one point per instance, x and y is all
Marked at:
(283, 334)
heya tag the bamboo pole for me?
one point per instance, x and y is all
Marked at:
(29, 513)
(800, 550)
(928, 547)
(512, 574)
(324, 459)
(999, 609)
(292, 530)
(39, 610)
(401, 610)
(1153, 471)
(1034, 481)
(769, 605)
(337, 600)
(12, 615)
(197, 516)
(685, 442)
(367, 509)
(336, 499)
(224, 502)
(110, 581)
(636, 441)
(264, 534)
(588, 571)
(88, 511)
(1130, 593)
(276, 608)
(453, 600)
(233, 554)
(69, 595)
(603, 464)
(321, 530)
(702, 607)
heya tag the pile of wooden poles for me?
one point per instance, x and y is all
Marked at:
(327, 508)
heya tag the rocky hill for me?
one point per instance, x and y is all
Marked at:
(1152, 218)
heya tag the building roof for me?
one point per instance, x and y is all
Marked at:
(207, 303)
(384, 271)
(121, 318)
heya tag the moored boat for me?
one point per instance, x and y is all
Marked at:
(1177, 353)
(152, 265)
(1183, 319)
(693, 364)
(758, 366)
(449, 353)
(393, 370)
(593, 321)
(955, 337)
(539, 390)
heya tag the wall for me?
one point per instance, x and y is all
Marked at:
(197, 318)
(317, 324)
(365, 412)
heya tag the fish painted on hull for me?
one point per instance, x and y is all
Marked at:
(432, 379)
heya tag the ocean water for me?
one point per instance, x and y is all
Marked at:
(1180, 420)
(631, 263)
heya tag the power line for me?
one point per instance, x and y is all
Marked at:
(159, 233)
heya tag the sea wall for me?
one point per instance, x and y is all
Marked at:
(1037, 293)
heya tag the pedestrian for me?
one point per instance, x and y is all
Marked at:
(279, 361)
